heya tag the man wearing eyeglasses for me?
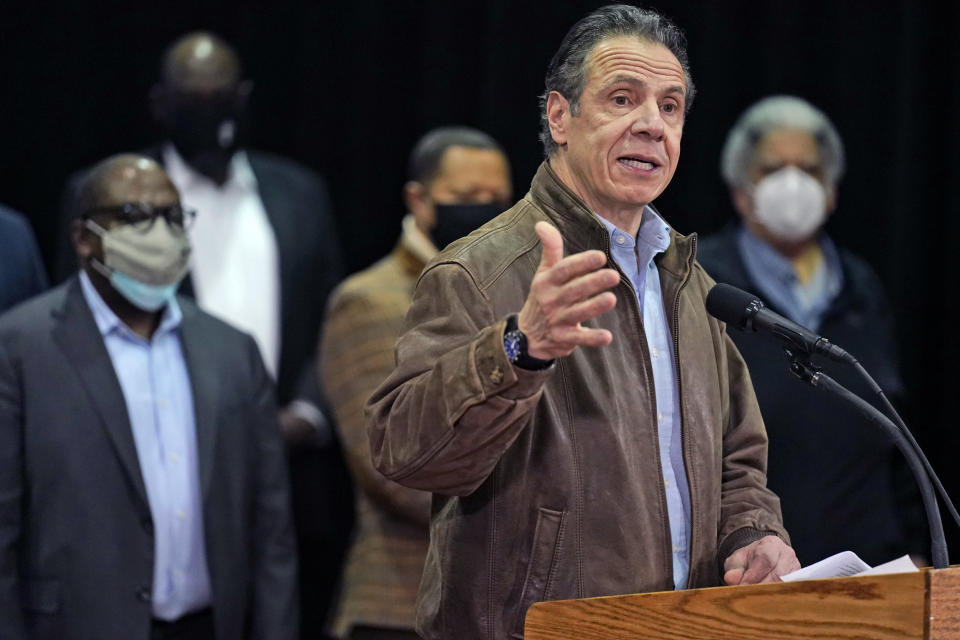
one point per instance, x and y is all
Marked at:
(265, 257)
(143, 483)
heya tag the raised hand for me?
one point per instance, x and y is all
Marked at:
(565, 292)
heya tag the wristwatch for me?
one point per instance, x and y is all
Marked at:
(515, 344)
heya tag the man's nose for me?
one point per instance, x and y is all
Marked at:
(648, 121)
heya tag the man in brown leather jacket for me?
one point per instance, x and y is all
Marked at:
(605, 439)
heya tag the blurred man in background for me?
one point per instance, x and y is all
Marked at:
(21, 271)
(265, 258)
(143, 484)
(459, 178)
(839, 478)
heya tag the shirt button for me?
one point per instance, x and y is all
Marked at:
(676, 549)
(659, 417)
(666, 482)
(621, 240)
(163, 404)
(181, 514)
(496, 376)
(653, 352)
(174, 457)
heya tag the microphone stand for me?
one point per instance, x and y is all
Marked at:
(804, 369)
(895, 417)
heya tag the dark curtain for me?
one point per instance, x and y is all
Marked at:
(347, 88)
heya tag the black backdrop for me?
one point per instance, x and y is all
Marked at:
(347, 88)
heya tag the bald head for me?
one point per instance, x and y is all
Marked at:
(126, 178)
(200, 62)
(201, 102)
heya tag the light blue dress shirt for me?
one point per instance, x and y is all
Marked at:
(778, 284)
(635, 259)
(156, 387)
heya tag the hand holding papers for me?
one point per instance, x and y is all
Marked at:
(847, 563)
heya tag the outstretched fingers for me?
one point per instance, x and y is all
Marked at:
(565, 292)
(585, 286)
(579, 336)
(582, 311)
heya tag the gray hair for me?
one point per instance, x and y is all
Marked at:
(771, 114)
(567, 72)
(427, 154)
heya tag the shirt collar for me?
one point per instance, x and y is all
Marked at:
(768, 260)
(108, 322)
(239, 173)
(417, 241)
(767, 266)
(654, 231)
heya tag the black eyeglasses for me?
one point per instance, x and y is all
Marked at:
(142, 215)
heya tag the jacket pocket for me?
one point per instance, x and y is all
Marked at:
(543, 559)
(41, 595)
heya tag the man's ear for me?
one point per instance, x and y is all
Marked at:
(558, 116)
(80, 238)
(831, 202)
(418, 202)
(742, 202)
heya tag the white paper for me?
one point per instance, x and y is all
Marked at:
(847, 563)
(903, 564)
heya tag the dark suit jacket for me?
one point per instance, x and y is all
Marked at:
(21, 271)
(842, 483)
(76, 535)
(299, 211)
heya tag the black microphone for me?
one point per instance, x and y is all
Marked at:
(744, 311)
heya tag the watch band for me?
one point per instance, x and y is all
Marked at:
(515, 345)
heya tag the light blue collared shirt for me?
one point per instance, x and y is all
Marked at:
(635, 259)
(778, 284)
(156, 387)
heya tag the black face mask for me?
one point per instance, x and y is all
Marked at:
(206, 132)
(453, 221)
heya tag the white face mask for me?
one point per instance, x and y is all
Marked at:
(790, 204)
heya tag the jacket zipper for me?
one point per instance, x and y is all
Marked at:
(649, 371)
(683, 430)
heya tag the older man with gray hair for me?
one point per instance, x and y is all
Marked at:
(585, 427)
(840, 480)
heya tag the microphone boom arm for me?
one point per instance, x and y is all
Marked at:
(801, 366)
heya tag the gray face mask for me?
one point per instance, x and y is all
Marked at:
(159, 255)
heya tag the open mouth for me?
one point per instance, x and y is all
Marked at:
(638, 163)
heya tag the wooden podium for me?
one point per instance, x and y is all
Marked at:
(918, 605)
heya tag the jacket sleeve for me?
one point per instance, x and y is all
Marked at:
(356, 355)
(454, 404)
(11, 490)
(274, 556)
(748, 509)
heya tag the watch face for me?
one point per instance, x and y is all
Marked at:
(511, 344)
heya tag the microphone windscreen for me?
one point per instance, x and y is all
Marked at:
(729, 304)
